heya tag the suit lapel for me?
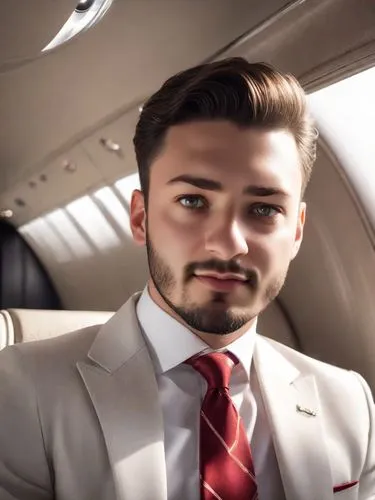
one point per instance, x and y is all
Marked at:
(298, 437)
(122, 386)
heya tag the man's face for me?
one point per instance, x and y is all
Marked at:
(224, 220)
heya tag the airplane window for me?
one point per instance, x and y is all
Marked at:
(85, 15)
(345, 115)
(93, 223)
(110, 202)
(43, 238)
(63, 225)
(126, 186)
(81, 228)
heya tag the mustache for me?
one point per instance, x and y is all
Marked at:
(219, 266)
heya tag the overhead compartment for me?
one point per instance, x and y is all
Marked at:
(111, 147)
(60, 181)
(319, 41)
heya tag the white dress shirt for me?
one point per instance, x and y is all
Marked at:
(181, 391)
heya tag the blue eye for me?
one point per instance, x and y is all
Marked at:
(191, 202)
(265, 210)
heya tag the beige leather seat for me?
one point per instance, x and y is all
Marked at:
(25, 325)
(273, 323)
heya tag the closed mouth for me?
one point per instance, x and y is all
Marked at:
(222, 277)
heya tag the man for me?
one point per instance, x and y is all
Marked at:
(177, 397)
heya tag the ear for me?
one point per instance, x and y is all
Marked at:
(138, 217)
(299, 230)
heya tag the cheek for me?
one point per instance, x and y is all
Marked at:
(271, 253)
(174, 238)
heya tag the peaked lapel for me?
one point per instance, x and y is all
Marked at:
(121, 382)
(299, 440)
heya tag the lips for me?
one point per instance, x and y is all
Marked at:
(223, 276)
(220, 284)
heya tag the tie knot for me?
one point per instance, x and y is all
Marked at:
(215, 367)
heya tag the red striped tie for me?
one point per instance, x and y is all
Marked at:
(226, 466)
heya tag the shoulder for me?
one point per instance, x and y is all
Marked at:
(50, 355)
(42, 377)
(301, 361)
(330, 378)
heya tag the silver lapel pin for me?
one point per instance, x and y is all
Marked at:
(309, 412)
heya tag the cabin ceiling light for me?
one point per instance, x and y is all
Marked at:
(69, 166)
(85, 15)
(111, 146)
(84, 5)
(6, 214)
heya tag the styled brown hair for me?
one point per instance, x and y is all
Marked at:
(247, 94)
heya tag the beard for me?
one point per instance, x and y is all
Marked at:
(214, 316)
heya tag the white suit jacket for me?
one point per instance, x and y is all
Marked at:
(80, 419)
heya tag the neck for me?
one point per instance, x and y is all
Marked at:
(213, 340)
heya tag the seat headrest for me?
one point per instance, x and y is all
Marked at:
(273, 323)
(25, 325)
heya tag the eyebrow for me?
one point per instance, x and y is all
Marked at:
(211, 185)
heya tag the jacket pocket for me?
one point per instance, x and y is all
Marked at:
(350, 493)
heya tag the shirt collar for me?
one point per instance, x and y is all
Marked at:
(171, 343)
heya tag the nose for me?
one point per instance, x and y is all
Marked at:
(225, 239)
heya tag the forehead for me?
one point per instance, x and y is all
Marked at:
(230, 154)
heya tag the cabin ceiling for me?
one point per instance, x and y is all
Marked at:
(63, 95)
